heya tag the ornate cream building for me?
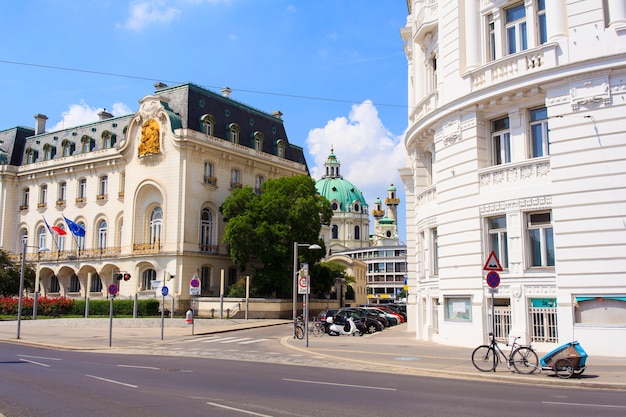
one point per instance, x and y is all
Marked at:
(516, 144)
(146, 188)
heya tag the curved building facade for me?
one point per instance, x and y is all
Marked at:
(516, 146)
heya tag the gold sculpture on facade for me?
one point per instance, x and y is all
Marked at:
(149, 138)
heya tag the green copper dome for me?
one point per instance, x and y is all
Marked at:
(336, 189)
(343, 192)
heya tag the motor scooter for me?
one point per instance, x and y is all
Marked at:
(349, 328)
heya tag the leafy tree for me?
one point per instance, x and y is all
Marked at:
(10, 276)
(261, 229)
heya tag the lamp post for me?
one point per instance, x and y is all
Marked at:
(297, 245)
(21, 293)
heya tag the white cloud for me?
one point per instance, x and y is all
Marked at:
(146, 12)
(370, 155)
(82, 113)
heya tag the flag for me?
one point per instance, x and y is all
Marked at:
(54, 230)
(75, 228)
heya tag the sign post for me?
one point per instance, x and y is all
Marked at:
(493, 280)
(113, 289)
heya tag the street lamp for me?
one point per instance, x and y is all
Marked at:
(20, 295)
(297, 245)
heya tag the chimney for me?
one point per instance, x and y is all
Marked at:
(40, 123)
(104, 114)
(226, 92)
(159, 86)
(277, 114)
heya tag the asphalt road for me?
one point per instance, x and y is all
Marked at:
(37, 382)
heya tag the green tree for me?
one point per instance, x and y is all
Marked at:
(10, 276)
(261, 229)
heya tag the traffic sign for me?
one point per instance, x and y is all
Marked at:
(194, 285)
(302, 285)
(493, 279)
(164, 291)
(113, 289)
(492, 264)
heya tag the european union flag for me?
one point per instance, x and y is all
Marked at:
(75, 228)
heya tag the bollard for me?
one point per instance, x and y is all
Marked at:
(189, 317)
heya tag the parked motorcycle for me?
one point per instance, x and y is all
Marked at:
(349, 328)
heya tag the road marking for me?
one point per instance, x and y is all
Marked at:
(253, 341)
(112, 381)
(217, 339)
(40, 357)
(238, 409)
(139, 367)
(338, 384)
(35, 363)
(583, 405)
(241, 339)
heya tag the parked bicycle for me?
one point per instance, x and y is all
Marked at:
(316, 328)
(523, 358)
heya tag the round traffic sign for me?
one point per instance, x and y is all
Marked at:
(194, 283)
(302, 282)
(164, 291)
(113, 289)
(493, 279)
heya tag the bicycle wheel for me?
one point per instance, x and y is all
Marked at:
(525, 360)
(299, 332)
(318, 329)
(563, 368)
(485, 358)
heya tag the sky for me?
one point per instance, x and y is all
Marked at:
(335, 69)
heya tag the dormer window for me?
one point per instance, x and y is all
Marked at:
(280, 148)
(208, 122)
(86, 144)
(257, 141)
(68, 147)
(233, 133)
(48, 152)
(108, 140)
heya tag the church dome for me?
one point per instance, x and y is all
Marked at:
(339, 191)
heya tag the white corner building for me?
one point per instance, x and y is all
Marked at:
(516, 145)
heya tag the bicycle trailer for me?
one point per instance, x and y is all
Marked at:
(565, 360)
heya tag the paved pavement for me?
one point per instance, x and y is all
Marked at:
(393, 350)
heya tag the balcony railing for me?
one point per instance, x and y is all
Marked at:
(531, 170)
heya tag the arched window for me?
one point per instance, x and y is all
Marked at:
(41, 238)
(60, 238)
(156, 223)
(96, 283)
(74, 284)
(233, 132)
(257, 141)
(146, 279)
(48, 152)
(280, 148)
(86, 144)
(258, 182)
(335, 232)
(108, 140)
(68, 147)
(208, 122)
(102, 235)
(235, 179)
(209, 175)
(80, 240)
(357, 233)
(206, 231)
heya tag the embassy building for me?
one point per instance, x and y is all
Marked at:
(137, 196)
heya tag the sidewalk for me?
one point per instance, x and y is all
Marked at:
(393, 350)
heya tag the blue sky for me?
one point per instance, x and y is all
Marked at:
(335, 69)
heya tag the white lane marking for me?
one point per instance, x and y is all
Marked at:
(238, 409)
(139, 367)
(113, 381)
(338, 384)
(583, 405)
(40, 357)
(217, 339)
(241, 339)
(253, 341)
(35, 363)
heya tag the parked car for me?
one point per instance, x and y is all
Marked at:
(371, 323)
(392, 319)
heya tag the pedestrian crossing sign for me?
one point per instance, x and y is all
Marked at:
(492, 264)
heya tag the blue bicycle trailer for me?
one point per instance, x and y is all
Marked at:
(565, 360)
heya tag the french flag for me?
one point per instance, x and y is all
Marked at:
(54, 230)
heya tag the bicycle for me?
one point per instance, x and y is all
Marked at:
(523, 358)
(316, 328)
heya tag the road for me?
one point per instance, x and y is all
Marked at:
(37, 382)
